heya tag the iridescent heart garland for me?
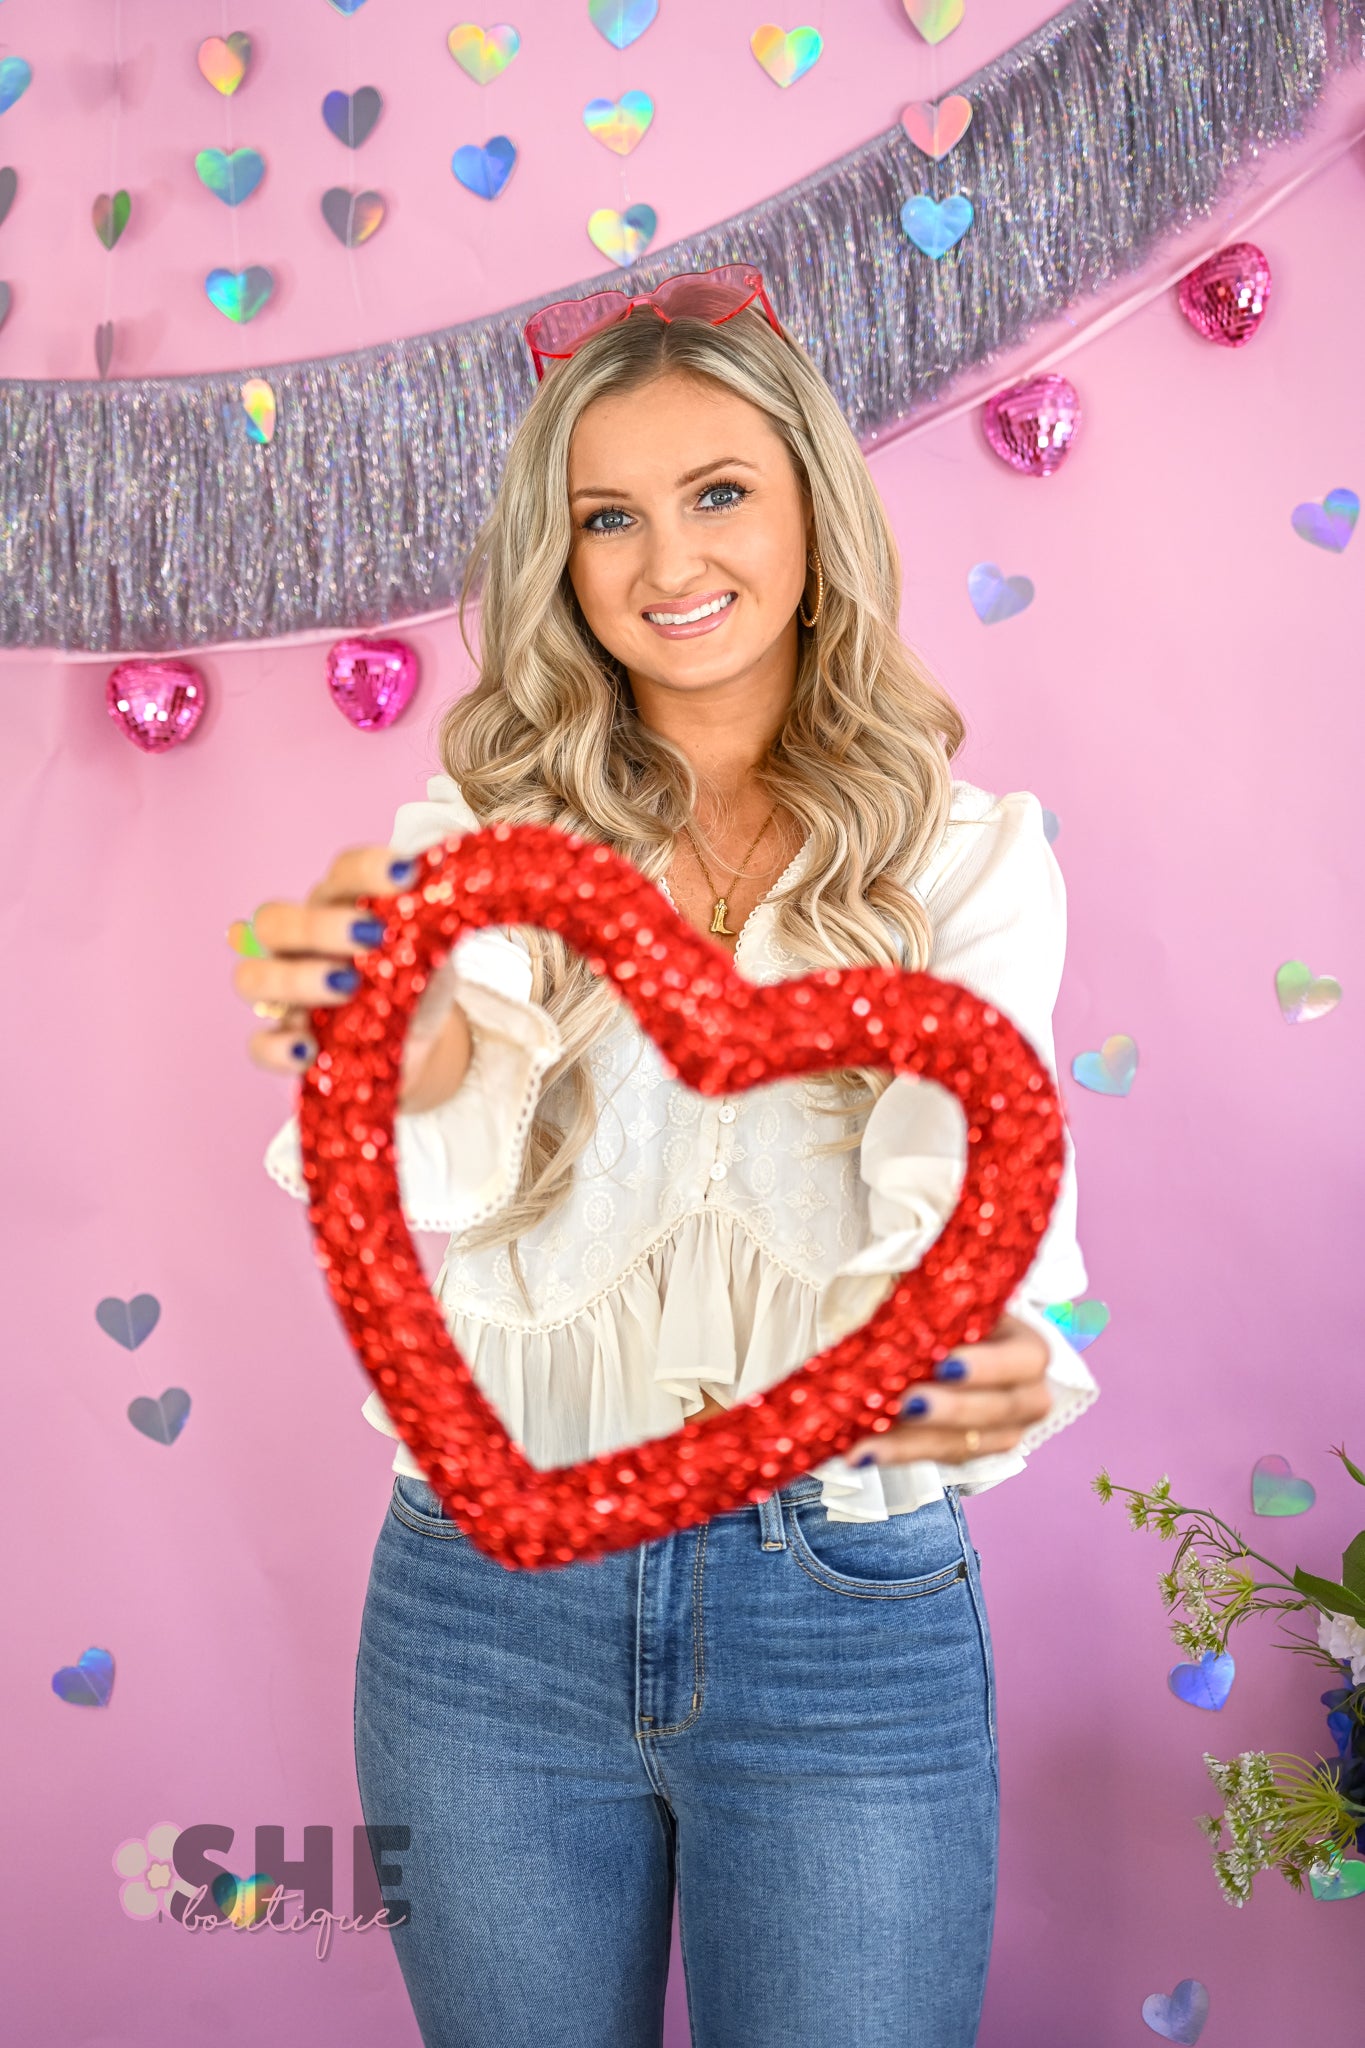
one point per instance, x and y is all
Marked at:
(16, 76)
(233, 175)
(622, 233)
(1070, 159)
(111, 210)
(353, 217)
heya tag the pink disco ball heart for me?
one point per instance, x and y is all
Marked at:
(1225, 296)
(1031, 426)
(371, 680)
(155, 703)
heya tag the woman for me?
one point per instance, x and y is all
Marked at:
(689, 648)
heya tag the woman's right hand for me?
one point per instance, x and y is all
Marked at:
(308, 943)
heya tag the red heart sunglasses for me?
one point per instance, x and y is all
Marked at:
(555, 332)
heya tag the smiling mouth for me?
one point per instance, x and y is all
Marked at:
(692, 615)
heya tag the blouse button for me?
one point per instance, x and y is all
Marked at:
(719, 1170)
(727, 1112)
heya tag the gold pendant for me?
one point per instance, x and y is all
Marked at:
(718, 916)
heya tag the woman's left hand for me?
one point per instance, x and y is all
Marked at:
(970, 1414)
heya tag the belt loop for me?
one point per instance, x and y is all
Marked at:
(772, 1534)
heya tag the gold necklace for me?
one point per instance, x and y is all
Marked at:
(720, 908)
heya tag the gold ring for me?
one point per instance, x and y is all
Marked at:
(272, 1009)
(973, 1437)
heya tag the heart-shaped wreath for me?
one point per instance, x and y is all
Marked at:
(719, 1034)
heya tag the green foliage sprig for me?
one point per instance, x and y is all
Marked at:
(1280, 1811)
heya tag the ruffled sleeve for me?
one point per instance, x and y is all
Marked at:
(459, 1163)
(998, 903)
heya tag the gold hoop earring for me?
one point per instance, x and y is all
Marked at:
(814, 559)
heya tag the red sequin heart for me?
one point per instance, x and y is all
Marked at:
(720, 1034)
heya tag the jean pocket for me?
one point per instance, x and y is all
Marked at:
(417, 1506)
(905, 1557)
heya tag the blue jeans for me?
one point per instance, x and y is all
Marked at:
(791, 1717)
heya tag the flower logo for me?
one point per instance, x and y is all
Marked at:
(150, 1880)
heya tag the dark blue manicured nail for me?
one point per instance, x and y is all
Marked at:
(914, 1404)
(301, 1050)
(343, 979)
(951, 1369)
(866, 1459)
(400, 870)
(367, 931)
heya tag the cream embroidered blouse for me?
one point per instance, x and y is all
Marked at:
(705, 1245)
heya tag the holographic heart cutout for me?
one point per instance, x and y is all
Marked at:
(1178, 2015)
(935, 19)
(241, 936)
(622, 21)
(225, 60)
(1031, 426)
(1276, 1491)
(351, 116)
(110, 214)
(1224, 298)
(1111, 1070)
(352, 216)
(161, 1418)
(622, 236)
(619, 124)
(718, 1033)
(484, 53)
(934, 225)
(1302, 996)
(129, 1323)
(231, 178)
(1205, 1684)
(104, 346)
(1330, 524)
(1080, 1322)
(9, 185)
(246, 1900)
(87, 1683)
(16, 76)
(936, 129)
(371, 681)
(240, 293)
(258, 403)
(484, 171)
(995, 597)
(1341, 1878)
(786, 55)
(157, 704)
(346, 7)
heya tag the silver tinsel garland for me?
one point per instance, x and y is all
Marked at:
(137, 515)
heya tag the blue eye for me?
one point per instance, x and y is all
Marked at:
(740, 491)
(605, 512)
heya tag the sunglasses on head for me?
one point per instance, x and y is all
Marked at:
(556, 332)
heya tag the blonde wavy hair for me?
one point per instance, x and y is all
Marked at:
(550, 735)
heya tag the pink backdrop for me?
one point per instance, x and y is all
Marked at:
(1181, 694)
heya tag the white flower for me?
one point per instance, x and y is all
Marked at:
(1343, 1638)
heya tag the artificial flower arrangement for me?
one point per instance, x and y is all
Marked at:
(1280, 1811)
